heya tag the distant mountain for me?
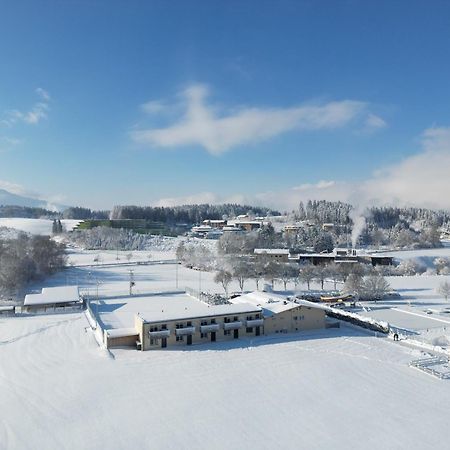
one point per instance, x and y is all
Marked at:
(8, 198)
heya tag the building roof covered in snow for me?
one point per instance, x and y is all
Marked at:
(49, 296)
(271, 251)
(181, 306)
(270, 303)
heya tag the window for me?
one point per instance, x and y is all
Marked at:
(226, 332)
(235, 318)
(189, 324)
(203, 335)
(164, 327)
(295, 318)
(226, 320)
(257, 316)
(249, 317)
(249, 329)
(152, 329)
(179, 325)
(204, 322)
(180, 338)
(213, 320)
(153, 341)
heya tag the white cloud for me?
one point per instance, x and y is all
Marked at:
(43, 94)
(201, 197)
(319, 185)
(374, 123)
(153, 107)
(7, 143)
(421, 180)
(34, 115)
(204, 126)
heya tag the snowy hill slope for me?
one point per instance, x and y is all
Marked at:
(8, 198)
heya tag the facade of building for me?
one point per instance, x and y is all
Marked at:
(197, 323)
(174, 320)
(284, 316)
(277, 254)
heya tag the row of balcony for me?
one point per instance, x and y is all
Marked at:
(212, 327)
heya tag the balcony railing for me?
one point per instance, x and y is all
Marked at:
(232, 325)
(255, 322)
(185, 331)
(209, 328)
(159, 334)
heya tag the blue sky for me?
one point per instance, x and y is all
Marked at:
(156, 102)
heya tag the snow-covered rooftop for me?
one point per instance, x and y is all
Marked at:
(61, 294)
(270, 303)
(121, 332)
(271, 251)
(178, 305)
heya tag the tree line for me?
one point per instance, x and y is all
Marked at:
(28, 258)
(189, 214)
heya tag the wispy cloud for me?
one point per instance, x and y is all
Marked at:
(319, 185)
(153, 107)
(219, 131)
(43, 94)
(34, 115)
(374, 123)
(200, 198)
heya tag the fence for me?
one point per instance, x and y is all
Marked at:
(436, 366)
(206, 297)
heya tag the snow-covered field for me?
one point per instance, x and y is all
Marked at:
(334, 389)
(425, 256)
(36, 226)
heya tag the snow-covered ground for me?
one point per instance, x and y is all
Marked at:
(425, 256)
(335, 388)
(338, 388)
(36, 226)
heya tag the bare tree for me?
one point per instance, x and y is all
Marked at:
(307, 273)
(257, 271)
(322, 273)
(272, 272)
(240, 270)
(224, 278)
(444, 289)
(288, 272)
(354, 285)
(333, 273)
(375, 287)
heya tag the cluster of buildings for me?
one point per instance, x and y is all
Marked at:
(213, 229)
(338, 255)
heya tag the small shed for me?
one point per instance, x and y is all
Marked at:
(54, 299)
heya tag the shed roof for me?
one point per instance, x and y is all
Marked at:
(60, 294)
